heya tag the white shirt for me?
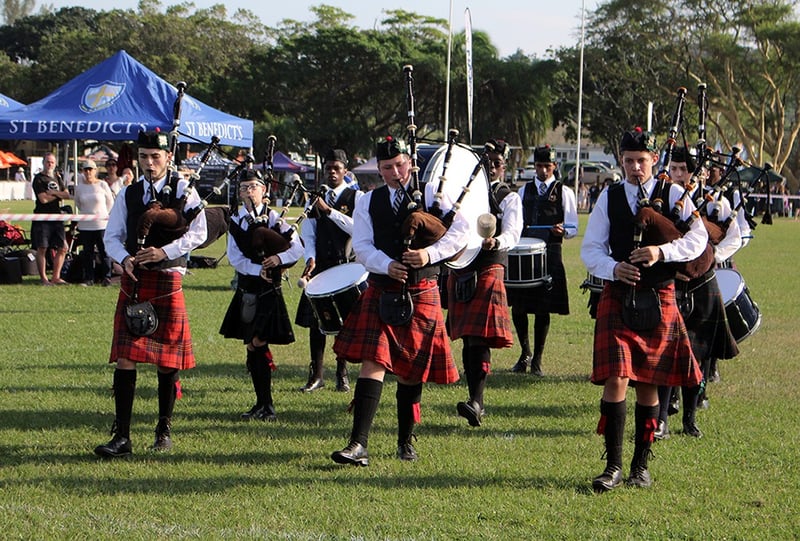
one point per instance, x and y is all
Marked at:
(342, 221)
(116, 231)
(596, 250)
(568, 203)
(243, 264)
(95, 198)
(511, 207)
(375, 260)
(732, 241)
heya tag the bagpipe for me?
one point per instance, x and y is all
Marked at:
(651, 226)
(452, 170)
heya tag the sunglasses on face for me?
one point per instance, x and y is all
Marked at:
(497, 164)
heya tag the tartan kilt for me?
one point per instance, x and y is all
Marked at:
(545, 299)
(661, 356)
(419, 350)
(271, 322)
(170, 346)
(486, 314)
(707, 324)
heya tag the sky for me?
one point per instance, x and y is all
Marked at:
(533, 26)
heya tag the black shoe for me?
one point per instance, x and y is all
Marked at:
(610, 478)
(266, 413)
(639, 477)
(522, 363)
(251, 413)
(662, 432)
(163, 442)
(342, 383)
(690, 429)
(313, 385)
(354, 453)
(117, 447)
(406, 452)
(470, 411)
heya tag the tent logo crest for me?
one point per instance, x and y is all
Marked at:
(98, 97)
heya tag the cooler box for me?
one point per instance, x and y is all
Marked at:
(10, 270)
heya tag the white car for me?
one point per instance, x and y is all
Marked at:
(595, 173)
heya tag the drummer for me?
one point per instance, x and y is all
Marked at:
(326, 235)
(257, 314)
(417, 351)
(550, 213)
(480, 317)
(700, 301)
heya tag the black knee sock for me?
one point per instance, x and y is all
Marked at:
(167, 391)
(408, 412)
(541, 326)
(520, 319)
(690, 396)
(646, 423)
(466, 362)
(664, 394)
(261, 374)
(124, 388)
(480, 358)
(366, 398)
(612, 426)
(317, 347)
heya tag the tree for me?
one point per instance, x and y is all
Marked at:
(17, 9)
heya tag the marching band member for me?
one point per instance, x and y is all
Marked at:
(257, 314)
(660, 354)
(326, 235)
(700, 301)
(545, 202)
(480, 317)
(152, 273)
(417, 351)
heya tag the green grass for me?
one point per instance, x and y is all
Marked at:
(524, 475)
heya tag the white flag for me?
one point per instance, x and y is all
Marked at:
(468, 50)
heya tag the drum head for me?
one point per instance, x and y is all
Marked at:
(476, 202)
(529, 245)
(731, 284)
(336, 278)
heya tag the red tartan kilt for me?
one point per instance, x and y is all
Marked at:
(171, 345)
(486, 314)
(418, 351)
(662, 356)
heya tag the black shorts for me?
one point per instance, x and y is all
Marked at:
(48, 235)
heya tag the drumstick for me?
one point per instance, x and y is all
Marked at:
(566, 226)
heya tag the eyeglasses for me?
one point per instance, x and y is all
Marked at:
(497, 164)
(249, 187)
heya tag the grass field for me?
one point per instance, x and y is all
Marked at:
(525, 474)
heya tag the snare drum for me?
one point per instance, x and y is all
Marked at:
(333, 292)
(527, 264)
(593, 283)
(743, 314)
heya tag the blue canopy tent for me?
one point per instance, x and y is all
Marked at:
(7, 104)
(113, 101)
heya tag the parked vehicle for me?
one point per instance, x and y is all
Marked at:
(595, 172)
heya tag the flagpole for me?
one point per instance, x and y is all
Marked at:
(580, 102)
(447, 79)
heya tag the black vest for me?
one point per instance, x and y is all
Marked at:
(387, 230)
(331, 241)
(133, 201)
(620, 236)
(547, 210)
